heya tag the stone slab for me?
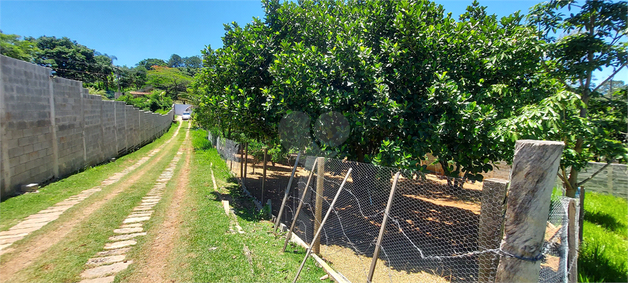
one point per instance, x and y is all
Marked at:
(120, 244)
(128, 230)
(120, 251)
(97, 261)
(18, 231)
(102, 271)
(10, 240)
(141, 214)
(132, 225)
(107, 279)
(126, 236)
(25, 224)
(13, 236)
(135, 219)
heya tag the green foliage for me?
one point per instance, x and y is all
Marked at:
(404, 75)
(175, 61)
(148, 64)
(200, 141)
(590, 122)
(170, 80)
(13, 46)
(154, 102)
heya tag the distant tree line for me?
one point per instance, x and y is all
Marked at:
(97, 71)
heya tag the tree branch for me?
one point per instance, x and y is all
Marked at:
(597, 172)
(611, 76)
(565, 179)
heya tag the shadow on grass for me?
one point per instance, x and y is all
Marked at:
(597, 267)
(607, 221)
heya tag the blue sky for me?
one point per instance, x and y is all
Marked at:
(136, 30)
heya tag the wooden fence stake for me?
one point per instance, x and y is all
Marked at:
(296, 214)
(320, 229)
(572, 240)
(531, 181)
(490, 229)
(264, 173)
(318, 207)
(287, 192)
(241, 150)
(246, 161)
(378, 246)
(581, 214)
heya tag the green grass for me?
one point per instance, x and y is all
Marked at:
(17, 208)
(64, 261)
(208, 252)
(604, 250)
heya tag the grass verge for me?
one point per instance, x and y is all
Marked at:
(603, 252)
(14, 209)
(64, 261)
(208, 251)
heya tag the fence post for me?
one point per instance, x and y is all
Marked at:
(581, 214)
(296, 213)
(241, 150)
(531, 181)
(490, 229)
(572, 240)
(382, 229)
(285, 194)
(318, 207)
(246, 162)
(320, 229)
(264, 174)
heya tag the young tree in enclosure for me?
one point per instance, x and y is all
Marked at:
(409, 79)
(592, 125)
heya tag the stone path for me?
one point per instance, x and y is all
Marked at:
(106, 264)
(37, 221)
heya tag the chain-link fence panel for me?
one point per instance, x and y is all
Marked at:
(432, 232)
(439, 229)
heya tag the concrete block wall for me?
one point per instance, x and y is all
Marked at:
(52, 127)
(120, 126)
(68, 105)
(25, 121)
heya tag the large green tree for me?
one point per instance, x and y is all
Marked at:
(409, 79)
(170, 80)
(592, 36)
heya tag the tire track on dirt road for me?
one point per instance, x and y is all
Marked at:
(106, 264)
(30, 251)
(155, 262)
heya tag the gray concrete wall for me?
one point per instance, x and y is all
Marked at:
(52, 127)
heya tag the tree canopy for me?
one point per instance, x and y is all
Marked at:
(582, 112)
(408, 78)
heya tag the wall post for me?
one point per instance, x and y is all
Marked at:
(264, 174)
(53, 129)
(491, 226)
(318, 207)
(531, 181)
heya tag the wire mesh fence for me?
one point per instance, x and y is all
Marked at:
(439, 229)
